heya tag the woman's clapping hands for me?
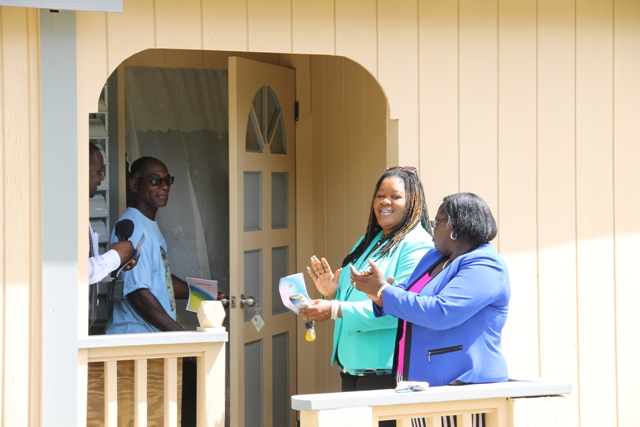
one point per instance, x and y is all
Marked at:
(326, 281)
(369, 281)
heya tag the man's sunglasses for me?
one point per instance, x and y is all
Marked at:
(156, 181)
(408, 169)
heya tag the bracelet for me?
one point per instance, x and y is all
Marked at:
(335, 307)
(381, 290)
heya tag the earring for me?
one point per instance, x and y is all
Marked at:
(454, 235)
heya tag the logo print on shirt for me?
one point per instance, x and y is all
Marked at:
(167, 278)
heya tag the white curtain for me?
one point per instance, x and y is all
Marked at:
(180, 116)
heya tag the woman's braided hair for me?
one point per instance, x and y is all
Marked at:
(415, 213)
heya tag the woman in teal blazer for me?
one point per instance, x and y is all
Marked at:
(397, 236)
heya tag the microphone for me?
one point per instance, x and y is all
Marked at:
(124, 229)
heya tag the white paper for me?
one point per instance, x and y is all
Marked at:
(293, 292)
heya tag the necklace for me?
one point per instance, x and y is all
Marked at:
(445, 264)
(383, 239)
(373, 249)
(378, 243)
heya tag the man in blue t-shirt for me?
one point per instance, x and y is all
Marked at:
(150, 289)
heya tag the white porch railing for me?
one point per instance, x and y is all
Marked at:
(501, 402)
(207, 347)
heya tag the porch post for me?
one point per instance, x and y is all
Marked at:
(59, 218)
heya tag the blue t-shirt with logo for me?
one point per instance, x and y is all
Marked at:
(151, 272)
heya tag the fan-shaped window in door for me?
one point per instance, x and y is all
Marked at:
(265, 126)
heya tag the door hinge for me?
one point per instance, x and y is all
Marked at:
(296, 111)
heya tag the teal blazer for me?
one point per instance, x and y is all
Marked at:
(360, 339)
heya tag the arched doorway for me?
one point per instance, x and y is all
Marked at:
(340, 148)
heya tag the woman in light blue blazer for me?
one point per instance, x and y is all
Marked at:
(397, 237)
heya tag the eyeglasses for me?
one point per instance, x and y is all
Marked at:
(434, 223)
(408, 169)
(156, 181)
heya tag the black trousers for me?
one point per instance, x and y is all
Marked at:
(369, 382)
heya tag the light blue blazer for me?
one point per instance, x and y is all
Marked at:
(360, 339)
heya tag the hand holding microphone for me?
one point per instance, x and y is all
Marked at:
(124, 230)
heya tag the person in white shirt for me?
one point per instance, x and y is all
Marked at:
(119, 253)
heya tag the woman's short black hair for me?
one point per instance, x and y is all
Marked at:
(472, 216)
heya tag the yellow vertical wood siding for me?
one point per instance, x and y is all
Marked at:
(439, 99)
(20, 218)
(516, 204)
(478, 102)
(169, 17)
(556, 208)
(224, 24)
(397, 61)
(532, 104)
(626, 184)
(313, 26)
(270, 25)
(355, 25)
(594, 208)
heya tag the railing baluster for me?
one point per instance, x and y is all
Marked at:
(111, 393)
(143, 349)
(210, 396)
(498, 401)
(464, 420)
(140, 393)
(171, 392)
(433, 421)
(499, 416)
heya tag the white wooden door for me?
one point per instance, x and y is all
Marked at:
(262, 242)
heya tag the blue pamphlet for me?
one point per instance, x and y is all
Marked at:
(293, 292)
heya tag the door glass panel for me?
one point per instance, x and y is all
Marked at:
(253, 383)
(252, 201)
(272, 111)
(255, 142)
(279, 200)
(265, 124)
(279, 268)
(259, 106)
(280, 369)
(273, 114)
(278, 139)
(252, 280)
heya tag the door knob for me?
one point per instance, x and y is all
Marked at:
(225, 302)
(248, 301)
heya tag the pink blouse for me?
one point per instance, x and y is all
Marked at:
(416, 287)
